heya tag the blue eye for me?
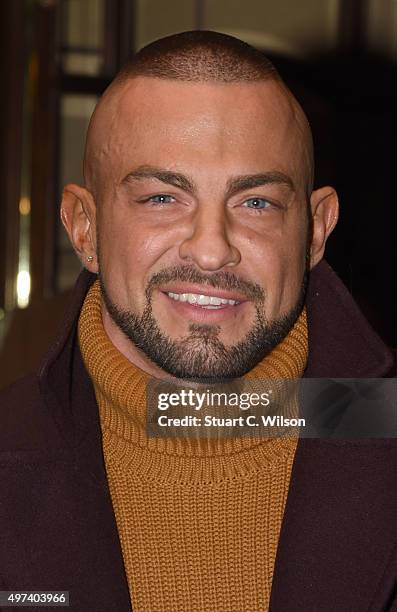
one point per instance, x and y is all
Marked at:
(161, 199)
(257, 203)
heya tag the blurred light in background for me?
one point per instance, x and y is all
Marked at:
(24, 206)
(23, 277)
(23, 288)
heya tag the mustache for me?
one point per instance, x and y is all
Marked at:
(218, 280)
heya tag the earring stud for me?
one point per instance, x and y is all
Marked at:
(90, 258)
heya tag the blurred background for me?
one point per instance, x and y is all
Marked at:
(338, 57)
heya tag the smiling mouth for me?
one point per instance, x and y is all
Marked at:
(208, 302)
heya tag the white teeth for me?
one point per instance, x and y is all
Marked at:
(201, 299)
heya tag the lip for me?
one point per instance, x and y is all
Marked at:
(200, 314)
(203, 290)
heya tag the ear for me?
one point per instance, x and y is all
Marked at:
(78, 215)
(325, 211)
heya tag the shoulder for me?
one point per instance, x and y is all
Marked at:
(25, 421)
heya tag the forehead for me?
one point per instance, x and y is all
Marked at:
(249, 126)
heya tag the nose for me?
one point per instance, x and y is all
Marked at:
(208, 244)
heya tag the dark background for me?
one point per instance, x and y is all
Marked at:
(351, 103)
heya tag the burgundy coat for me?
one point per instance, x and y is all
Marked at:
(338, 544)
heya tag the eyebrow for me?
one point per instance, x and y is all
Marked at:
(234, 185)
(165, 176)
(250, 181)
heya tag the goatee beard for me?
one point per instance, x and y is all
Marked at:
(201, 356)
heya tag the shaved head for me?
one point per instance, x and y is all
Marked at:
(190, 57)
(200, 56)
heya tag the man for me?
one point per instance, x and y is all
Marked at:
(199, 227)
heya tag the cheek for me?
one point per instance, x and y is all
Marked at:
(276, 260)
(128, 257)
(291, 271)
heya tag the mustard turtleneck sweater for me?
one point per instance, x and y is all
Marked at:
(198, 521)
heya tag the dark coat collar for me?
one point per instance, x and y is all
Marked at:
(341, 342)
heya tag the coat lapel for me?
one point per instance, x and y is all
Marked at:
(92, 567)
(339, 528)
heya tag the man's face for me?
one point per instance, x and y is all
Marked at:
(202, 198)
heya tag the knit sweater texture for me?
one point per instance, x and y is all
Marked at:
(198, 520)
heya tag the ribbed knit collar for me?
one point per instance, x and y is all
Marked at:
(120, 388)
